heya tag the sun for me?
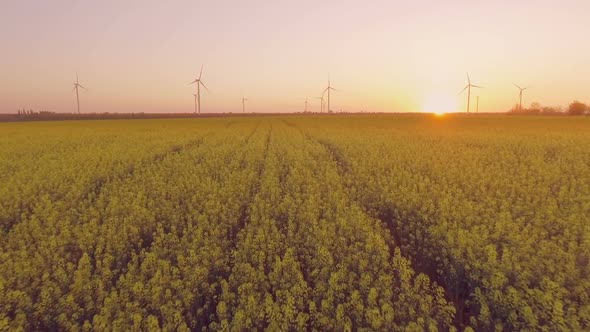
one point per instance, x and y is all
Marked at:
(439, 104)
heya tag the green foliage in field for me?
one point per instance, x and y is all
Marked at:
(387, 223)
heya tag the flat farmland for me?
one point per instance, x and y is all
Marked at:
(358, 222)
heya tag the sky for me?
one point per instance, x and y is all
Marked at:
(381, 56)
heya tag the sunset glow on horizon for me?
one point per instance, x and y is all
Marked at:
(381, 56)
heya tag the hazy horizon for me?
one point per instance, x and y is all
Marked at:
(383, 56)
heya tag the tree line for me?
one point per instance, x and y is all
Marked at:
(574, 108)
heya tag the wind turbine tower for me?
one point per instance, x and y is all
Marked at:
(199, 82)
(76, 86)
(194, 94)
(328, 91)
(468, 88)
(321, 103)
(244, 104)
(520, 96)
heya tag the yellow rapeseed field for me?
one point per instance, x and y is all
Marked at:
(344, 222)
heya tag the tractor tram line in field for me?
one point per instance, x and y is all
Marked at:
(300, 228)
(207, 235)
(88, 225)
(422, 265)
(247, 160)
(254, 189)
(438, 240)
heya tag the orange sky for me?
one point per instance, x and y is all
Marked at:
(390, 56)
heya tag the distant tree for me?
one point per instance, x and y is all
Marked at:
(535, 107)
(551, 110)
(577, 108)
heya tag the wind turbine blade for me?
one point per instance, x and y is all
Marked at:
(193, 82)
(74, 89)
(201, 72)
(334, 89)
(203, 84)
(465, 88)
(468, 78)
(80, 85)
(477, 86)
(517, 86)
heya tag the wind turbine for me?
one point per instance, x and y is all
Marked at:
(305, 110)
(321, 103)
(328, 90)
(520, 95)
(468, 88)
(199, 83)
(244, 104)
(76, 86)
(194, 94)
